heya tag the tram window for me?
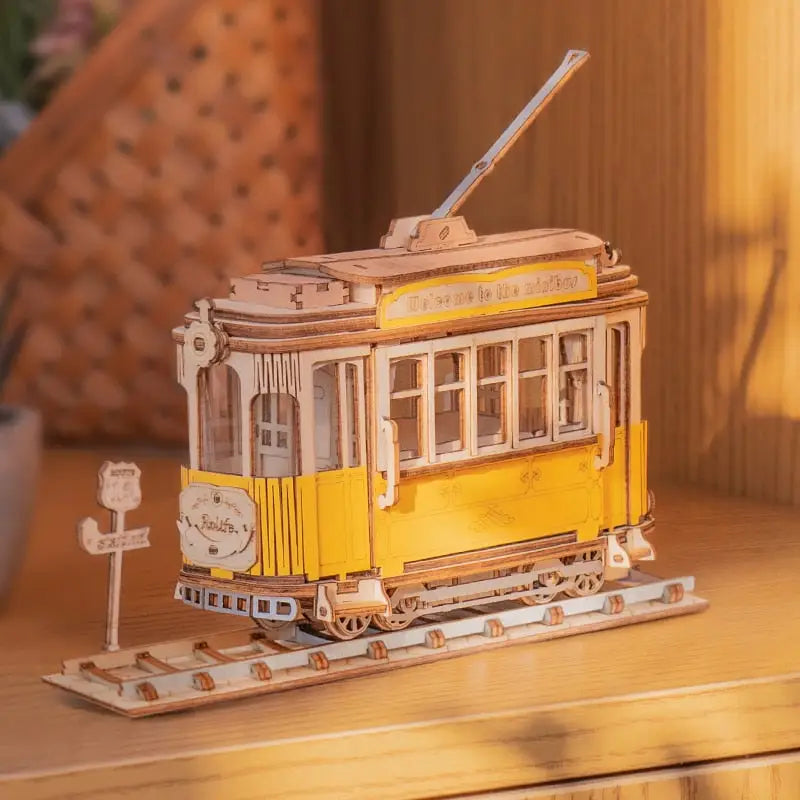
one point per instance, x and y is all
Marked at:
(326, 418)
(449, 387)
(533, 354)
(492, 392)
(337, 441)
(220, 420)
(573, 401)
(617, 359)
(405, 405)
(276, 435)
(534, 398)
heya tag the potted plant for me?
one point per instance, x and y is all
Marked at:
(20, 445)
(43, 43)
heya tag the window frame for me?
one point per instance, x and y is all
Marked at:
(205, 419)
(293, 433)
(505, 380)
(518, 443)
(423, 394)
(340, 365)
(587, 363)
(464, 384)
(593, 326)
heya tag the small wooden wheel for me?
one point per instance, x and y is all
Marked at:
(547, 585)
(387, 622)
(587, 583)
(346, 627)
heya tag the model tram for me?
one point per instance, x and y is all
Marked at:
(447, 420)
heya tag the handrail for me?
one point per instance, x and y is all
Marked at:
(388, 429)
(604, 459)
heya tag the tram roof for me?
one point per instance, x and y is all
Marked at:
(428, 274)
(402, 263)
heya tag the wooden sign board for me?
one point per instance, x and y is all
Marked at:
(119, 486)
(473, 295)
(97, 543)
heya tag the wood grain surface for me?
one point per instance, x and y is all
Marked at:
(722, 684)
(677, 141)
(771, 778)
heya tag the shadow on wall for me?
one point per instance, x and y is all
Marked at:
(746, 452)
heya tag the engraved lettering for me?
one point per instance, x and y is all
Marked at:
(523, 289)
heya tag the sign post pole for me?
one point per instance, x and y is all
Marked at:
(114, 586)
(118, 490)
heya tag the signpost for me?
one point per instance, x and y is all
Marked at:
(118, 490)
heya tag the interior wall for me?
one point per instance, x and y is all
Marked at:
(677, 141)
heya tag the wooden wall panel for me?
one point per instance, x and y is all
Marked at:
(678, 141)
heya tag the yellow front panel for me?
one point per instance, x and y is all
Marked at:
(222, 479)
(267, 535)
(615, 490)
(279, 535)
(342, 521)
(526, 497)
(316, 525)
(291, 527)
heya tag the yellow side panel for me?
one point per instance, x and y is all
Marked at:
(278, 529)
(615, 497)
(223, 479)
(267, 533)
(638, 471)
(306, 505)
(292, 530)
(342, 521)
(526, 497)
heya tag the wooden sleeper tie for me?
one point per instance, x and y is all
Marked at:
(553, 615)
(434, 639)
(493, 628)
(260, 671)
(204, 649)
(672, 593)
(202, 681)
(614, 604)
(318, 661)
(146, 691)
(99, 674)
(377, 651)
(149, 662)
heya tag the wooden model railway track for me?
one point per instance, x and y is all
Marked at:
(170, 676)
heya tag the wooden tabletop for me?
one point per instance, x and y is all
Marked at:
(721, 684)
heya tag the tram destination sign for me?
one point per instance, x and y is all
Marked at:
(481, 294)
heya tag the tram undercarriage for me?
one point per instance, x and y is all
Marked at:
(346, 609)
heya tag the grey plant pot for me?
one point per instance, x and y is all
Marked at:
(20, 450)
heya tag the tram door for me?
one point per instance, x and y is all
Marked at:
(340, 466)
(616, 475)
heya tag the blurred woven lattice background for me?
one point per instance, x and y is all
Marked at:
(186, 150)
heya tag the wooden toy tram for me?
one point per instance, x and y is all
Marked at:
(446, 418)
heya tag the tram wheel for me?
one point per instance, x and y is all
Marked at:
(587, 583)
(347, 627)
(269, 624)
(387, 622)
(548, 586)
